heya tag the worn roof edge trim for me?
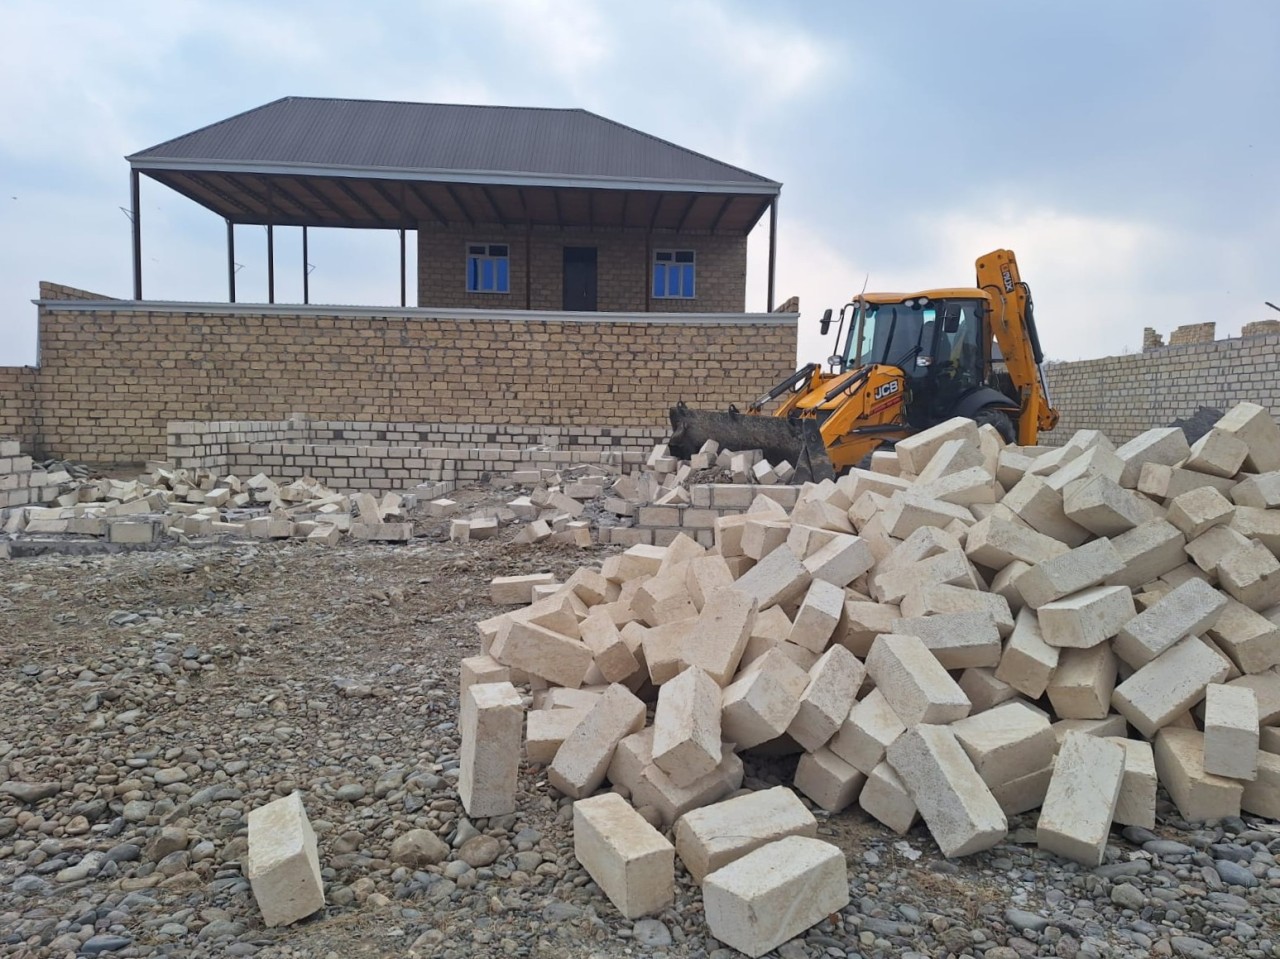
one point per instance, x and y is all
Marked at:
(486, 177)
(415, 312)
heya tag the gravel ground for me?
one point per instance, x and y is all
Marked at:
(150, 700)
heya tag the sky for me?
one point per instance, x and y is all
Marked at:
(1128, 152)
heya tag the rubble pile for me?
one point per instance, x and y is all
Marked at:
(190, 503)
(964, 633)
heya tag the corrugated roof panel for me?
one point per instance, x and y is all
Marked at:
(378, 135)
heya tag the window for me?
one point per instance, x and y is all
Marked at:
(673, 274)
(488, 268)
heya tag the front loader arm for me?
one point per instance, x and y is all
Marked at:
(1013, 324)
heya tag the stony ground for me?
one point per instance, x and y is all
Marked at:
(150, 700)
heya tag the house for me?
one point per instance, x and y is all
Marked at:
(514, 208)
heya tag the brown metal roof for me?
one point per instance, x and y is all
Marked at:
(440, 142)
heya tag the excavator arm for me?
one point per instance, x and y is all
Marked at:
(1013, 324)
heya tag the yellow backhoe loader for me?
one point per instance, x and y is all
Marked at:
(908, 361)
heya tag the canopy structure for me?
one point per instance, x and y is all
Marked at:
(364, 164)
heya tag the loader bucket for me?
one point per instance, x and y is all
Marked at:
(798, 441)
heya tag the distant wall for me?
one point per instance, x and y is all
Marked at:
(18, 405)
(1124, 395)
(114, 373)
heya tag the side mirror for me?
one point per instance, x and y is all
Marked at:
(824, 325)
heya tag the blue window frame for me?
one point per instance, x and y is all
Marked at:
(488, 268)
(674, 274)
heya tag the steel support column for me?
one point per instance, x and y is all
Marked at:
(402, 283)
(306, 270)
(231, 262)
(137, 233)
(773, 248)
(271, 263)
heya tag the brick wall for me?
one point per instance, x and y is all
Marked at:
(1124, 395)
(114, 374)
(624, 276)
(18, 405)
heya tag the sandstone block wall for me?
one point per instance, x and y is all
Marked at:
(113, 374)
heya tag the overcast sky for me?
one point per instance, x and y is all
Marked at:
(1129, 152)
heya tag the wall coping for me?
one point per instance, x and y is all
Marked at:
(416, 313)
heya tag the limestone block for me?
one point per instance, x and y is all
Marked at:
(771, 895)
(543, 652)
(1069, 573)
(686, 724)
(1082, 684)
(1086, 618)
(1253, 425)
(1166, 445)
(761, 536)
(1251, 575)
(915, 452)
(1231, 732)
(580, 764)
(1218, 453)
(1261, 491)
(1005, 583)
(1112, 726)
(664, 599)
(1028, 662)
(1148, 552)
(1261, 797)
(1164, 483)
(778, 578)
(1199, 796)
(1007, 742)
(1249, 638)
(762, 702)
(1262, 525)
(911, 510)
(967, 488)
(710, 838)
(1211, 547)
(720, 634)
(1199, 510)
(867, 732)
(1137, 803)
(840, 561)
(951, 567)
(663, 648)
(818, 616)
(1042, 508)
(957, 640)
(862, 623)
(1269, 739)
(630, 861)
(1169, 685)
(834, 681)
(1024, 793)
(611, 654)
(953, 801)
(885, 798)
(828, 780)
(995, 543)
(984, 690)
(1188, 609)
(941, 598)
(490, 723)
(282, 863)
(517, 590)
(1103, 507)
(1267, 688)
(1075, 819)
(547, 729)
(637, 562)
(481, 669)
(1095, 461)
(916, 686)
(705, 575)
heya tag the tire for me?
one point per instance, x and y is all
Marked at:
(1000, 420)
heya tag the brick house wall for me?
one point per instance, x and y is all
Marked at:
(18, 405)
(112, 376)
(624, 272)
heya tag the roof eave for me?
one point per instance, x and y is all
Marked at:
(487, 177)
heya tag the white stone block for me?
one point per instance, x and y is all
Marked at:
(1261, 797)
(686, 724)
(1148, 552)
(1137, 803)
(1189, 609)
(1083, 683)
(1253, 425)
(282, 863)
(1166, 445)
(581, 762)
(867, 732)
(630, 861)
(1082, 567)
(885, 798)
(547, 729)
(957, 640)
(1075, 819)
(828, 780)
(1231, 732)
(771, 895)
(762, 702)
(1028, 662)
(816, 621)
(722, 631)
(1169, 685)
(916, 686)
(834, 681)
(710, 838)
(778, 578)
(1087, 618)
(490, 725)
(1007, 742)
(841, 560)
(1199, 796)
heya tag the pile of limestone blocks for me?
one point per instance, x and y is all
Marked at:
(191, 503)
(22, 482)
(964, 633)
(554, 510)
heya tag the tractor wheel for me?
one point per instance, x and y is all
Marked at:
(1000, 420)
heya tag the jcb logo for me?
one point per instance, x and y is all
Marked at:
(888, 389)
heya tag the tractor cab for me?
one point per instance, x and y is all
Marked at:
(939, 339)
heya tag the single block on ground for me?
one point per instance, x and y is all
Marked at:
(630, 861)
(282, 863)
(716, 835)
(1075, 819)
